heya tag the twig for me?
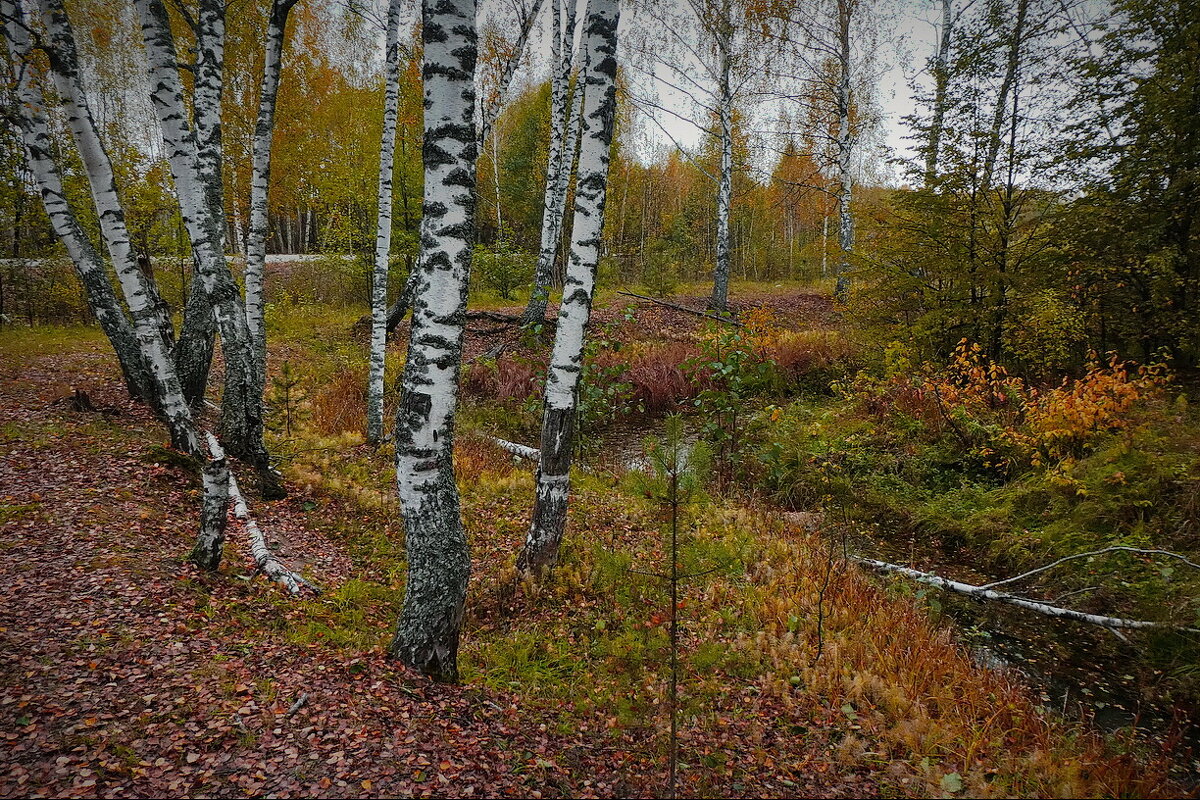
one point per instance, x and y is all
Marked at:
(296, 706)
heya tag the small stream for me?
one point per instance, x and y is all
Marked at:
(1077, 671)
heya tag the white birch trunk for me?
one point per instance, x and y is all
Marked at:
(566, 360)
(64, 65)
(845, 145)
(264, 559)
(260, 178)
(214, 512)
(383, 228)
(720, 294)
(35, 134)
(197, 182)
(439, 562)
(559, 163)
(206, 108)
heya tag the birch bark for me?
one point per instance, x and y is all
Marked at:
(845, 147)
(720, 294)
(260, 177)
(64, 66)
(560, 161)
(562, 381)
(383, 228)
(439, 562)
(196, 172)
(35, 134)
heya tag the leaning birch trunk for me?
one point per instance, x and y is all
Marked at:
(985, 593)
(35, 134)
(64, 65)
(844, 148)
(491, 109)
(260, 179)
(720, 294)
(439, 562)
(383, 228)
(941, 76)
(264, 560)
(196, 184)
(566, 361)
(558, 164)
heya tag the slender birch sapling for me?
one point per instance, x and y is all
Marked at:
(566, 361)
(383, 227)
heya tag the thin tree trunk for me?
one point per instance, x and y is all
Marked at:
(558, 164)
(941, 77)
(383, 228)
(439, 562)
(35, 134)
(198, 189)
(720, 293)
(1006, 86)
(491, 111)
(844, 148)
(566, 361)
(64, 65)
(260, 178)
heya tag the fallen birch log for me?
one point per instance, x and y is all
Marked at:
(984, 593)
(524, 451)
(264, 559)
(685, 309)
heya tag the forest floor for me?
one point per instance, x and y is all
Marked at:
(126, 672)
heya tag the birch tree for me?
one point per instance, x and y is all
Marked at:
(825, 64)
(195, 169)
(260, 177)
(710, 55)
(560, 162)
(494, 75)
(439, 563)
(140, 298)
(162, 384)
(35, 134)
(566, 360)
(383, 227)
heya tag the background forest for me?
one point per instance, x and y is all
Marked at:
(1046, 208)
